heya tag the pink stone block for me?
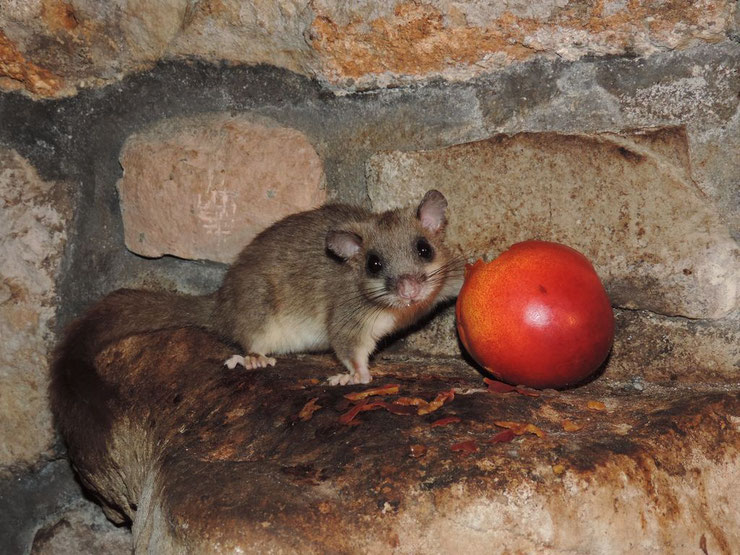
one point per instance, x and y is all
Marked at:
(202, 188)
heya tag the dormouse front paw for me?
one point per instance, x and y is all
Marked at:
(340, 379)
(347, 379)
(249, 362)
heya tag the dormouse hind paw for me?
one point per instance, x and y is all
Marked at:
(249, 362)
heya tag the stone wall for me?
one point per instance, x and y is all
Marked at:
(182, 128)
(56, 47)
(33, 234)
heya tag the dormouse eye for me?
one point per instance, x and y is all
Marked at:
(374, 264)
(424, 249)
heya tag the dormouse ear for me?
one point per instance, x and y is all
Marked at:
(343, 244)
(431, 211)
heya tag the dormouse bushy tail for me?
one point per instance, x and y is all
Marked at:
(80, 398)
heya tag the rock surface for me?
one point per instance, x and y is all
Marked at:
(204, 187)
(385, 44)
(51, 47)
(33, 234)
(81, 530)
(203, 459)
(45, 506)
(626, 201)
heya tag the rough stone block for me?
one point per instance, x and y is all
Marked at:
(18, 72)
(57, 46)
(202, 459)
(202, 188)
(627, 201)
(33, 234)
(402, 40)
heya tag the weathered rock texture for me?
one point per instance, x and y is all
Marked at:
(462, 39)
(81, 530)
(203, 459)
(202, 188)
(42, 509)
(33, 234)
(626, 201)
(54, 47)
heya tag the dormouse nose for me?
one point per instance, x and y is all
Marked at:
(408, 287)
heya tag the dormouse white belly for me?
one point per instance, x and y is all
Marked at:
(291, 334)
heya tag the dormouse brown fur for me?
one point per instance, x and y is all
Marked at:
(336, 278)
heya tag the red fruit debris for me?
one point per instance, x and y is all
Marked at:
(348, 416)
(502, 437)
(425, 407)
(445, 421)
(413, 401)
(396, 408)
(521, 428)
(526, 391)
(308, 409)
(404, 406)
(439, 400)
(466, 447)
(495, 386)
(390, 389)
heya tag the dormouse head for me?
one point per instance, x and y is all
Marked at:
(399, 256)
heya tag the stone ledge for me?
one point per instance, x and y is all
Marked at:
(205, 459)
